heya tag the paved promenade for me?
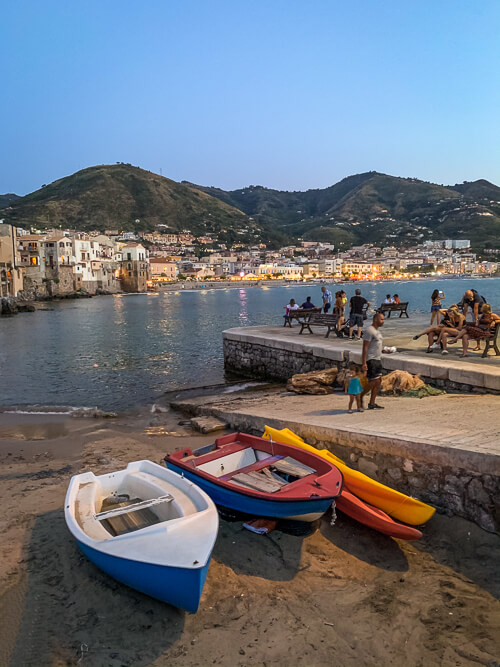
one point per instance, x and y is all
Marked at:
(456, 430)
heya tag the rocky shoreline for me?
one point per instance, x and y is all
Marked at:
(10, 305)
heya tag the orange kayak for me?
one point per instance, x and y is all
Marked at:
(395, 504)
(373, 517)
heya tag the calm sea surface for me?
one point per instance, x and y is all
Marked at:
(145, 345)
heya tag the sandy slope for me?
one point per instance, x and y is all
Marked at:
(343, 596)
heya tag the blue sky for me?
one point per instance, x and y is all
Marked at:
(286, 94)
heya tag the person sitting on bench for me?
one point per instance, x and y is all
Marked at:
(307, 304)
(451, 321)
(288, 308)
(483, 329)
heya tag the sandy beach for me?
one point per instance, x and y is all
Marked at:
(344, 595)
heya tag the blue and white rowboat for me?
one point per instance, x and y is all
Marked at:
(147, 527)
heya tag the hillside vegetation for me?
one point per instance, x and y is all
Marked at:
(7, 199)
(377, 208)
(368, 207)
(126, 198)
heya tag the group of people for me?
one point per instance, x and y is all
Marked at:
(392, 299)
(358, 306)
(449, 325)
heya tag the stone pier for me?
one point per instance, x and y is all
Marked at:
(279, 352)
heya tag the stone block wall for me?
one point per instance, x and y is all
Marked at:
(451, 490)
(254, 360)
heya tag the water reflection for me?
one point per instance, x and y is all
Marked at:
(243, 314)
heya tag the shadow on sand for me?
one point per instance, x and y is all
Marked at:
(276, 556)
(364, 543)
(464, 548)
(75, 614)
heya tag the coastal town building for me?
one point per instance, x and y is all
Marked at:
(162, 271)
(59, 261)
(134, 270)
(11, 273)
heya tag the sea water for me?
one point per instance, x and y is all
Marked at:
(147, 344)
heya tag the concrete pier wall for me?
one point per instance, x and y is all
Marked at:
(272, 352)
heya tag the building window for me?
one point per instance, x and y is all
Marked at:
(129, 255)
(129, 267)
(130, 274)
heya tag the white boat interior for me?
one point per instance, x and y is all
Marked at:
(123, 502)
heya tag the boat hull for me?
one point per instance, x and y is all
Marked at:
(299, 510)
(180, 587)
(395, 504)
(374, 518)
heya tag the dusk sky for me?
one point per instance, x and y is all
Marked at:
(281, 93)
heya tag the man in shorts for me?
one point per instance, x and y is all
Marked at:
(356, 304)
(371, 360)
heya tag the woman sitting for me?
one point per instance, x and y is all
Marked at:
(483, 329)
(457, 322)
(452, 321)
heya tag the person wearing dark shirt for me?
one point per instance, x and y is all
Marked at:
(307, 303)
(473, 300)
(356, 304)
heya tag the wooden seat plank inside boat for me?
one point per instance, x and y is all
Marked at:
(293, 467)
(258, 465)
(258, 481)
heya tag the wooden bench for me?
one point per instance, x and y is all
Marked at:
(491, 341)
(300, 313)
(389, 308)
(320, 320)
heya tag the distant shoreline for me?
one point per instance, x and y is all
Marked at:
(237, 284)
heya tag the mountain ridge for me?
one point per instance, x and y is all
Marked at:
(366, 207)
(376, 207)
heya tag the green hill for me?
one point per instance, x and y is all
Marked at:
(7, 199)
(127, 198)
(374, 207)
(368, 207)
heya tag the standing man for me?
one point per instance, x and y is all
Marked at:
(356, 304)
(371, 360)
(475, 301)
(327, 299)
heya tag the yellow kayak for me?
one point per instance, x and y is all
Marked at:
(396, 504)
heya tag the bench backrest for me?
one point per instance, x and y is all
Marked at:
(300, 312)
(323, 318)
(394, 306)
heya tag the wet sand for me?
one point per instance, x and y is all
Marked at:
(344, 596)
